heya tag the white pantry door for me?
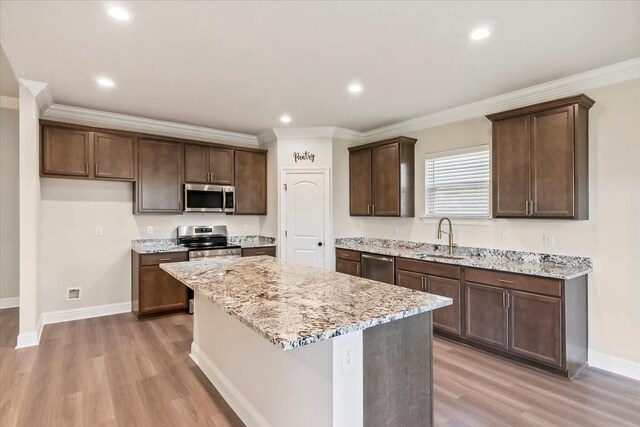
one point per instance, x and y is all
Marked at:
(305, 218)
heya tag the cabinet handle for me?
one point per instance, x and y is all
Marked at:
(369, 209)
(86, 168)
(260, 253)
(358, 269)
(96, 169)
(526, 208)
(373, 209)
(504, 302)
(505, 281)
(508, 300)
(164, 259)
(531, 208)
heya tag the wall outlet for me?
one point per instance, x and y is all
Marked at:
(149, 229)
(98, 230)
(506, 238)
(73, 294)
(549, 240)
(347, 356)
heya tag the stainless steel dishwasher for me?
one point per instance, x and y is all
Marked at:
(378, 267)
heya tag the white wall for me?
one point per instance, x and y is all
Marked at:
(611, 236)
(73, 255)
(9, 205)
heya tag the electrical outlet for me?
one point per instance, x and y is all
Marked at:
(73, 294)
(98, 230)
(149, 229)
(347, 356)
(506, 238)
(549, 240)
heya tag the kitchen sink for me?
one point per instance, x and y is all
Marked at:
(431, 255)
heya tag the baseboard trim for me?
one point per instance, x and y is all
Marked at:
(9, 302)
(28, 339)
(614, 365)
(85, 312)
(241, 406)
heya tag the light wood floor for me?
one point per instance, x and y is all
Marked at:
(116, 371)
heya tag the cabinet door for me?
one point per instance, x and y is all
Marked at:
(65, 152)
(159, 185)
(486, 315)
(160, 292)
(251, 182)
(221, 166)
(196, 164)
(447, 318)
(535, 327)
(360, 182)
(267, 251)
(552, 162)
(386, 180)
(410, 280)
(348, 267)
(511, 167)
(113, 156)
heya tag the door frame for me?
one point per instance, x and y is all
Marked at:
(328, 219)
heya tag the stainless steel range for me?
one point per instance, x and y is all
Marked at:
(207, 241)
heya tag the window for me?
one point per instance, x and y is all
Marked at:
(457, 183)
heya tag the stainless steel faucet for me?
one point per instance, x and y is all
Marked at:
(450, 233)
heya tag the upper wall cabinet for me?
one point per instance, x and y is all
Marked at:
(381, 178)
(208, 165)
(159, 185)
(540, 160)
(251, 182)
(79, 153)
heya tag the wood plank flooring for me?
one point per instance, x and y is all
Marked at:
(116, 371)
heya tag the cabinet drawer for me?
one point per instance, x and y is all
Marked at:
(155, 259)
(348, 255)
(270, 251)
(519, 282)
(430, 268)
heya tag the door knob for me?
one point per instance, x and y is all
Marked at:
(319, 243)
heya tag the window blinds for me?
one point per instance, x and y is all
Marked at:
(457, 185)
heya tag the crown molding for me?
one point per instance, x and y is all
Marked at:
(85, 116)
(9, 102)
(567, 86)
(318, 132)
(41, 92)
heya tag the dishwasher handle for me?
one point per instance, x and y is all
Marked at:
(378, 258)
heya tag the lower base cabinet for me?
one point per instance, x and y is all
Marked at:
(153, 291)
(486, 315)
(348, 262)
(267, 250)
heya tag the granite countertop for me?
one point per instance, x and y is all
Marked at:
(154, 246)
(293, 305)
(534, 264)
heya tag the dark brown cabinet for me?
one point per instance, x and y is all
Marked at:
(486, 315)
(114, 156)
(348, 262)
(154, 291)
(74, 152)
(535, 327)
(251, 182)
(381, 178)
(159, 184)
(540, 160)
(411, 280)
(208, 165)
(267, 250)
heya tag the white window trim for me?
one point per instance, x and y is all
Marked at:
(461, 220)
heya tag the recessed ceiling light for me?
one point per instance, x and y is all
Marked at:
(480, 33)
(285, 118)
(105, 82)
(355, 88)
(119, 14)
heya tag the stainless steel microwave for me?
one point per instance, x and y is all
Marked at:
(209, 198)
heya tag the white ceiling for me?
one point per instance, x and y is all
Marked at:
(238, 66)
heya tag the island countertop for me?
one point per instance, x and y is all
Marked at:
(293, 305)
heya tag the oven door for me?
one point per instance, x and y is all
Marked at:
(204, 198)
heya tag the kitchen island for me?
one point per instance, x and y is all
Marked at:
(289, 345)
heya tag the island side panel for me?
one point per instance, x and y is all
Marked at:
(398, 372)
(265, 385)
